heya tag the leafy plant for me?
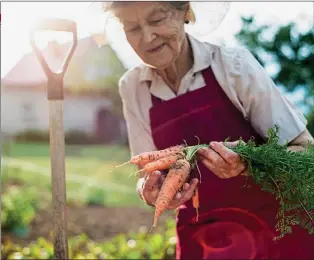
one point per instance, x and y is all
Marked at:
(287, 175)
(96, 196)
(18, 209)
(140, 245)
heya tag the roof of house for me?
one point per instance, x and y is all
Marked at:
(28, 70)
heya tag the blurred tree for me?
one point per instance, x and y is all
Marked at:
(291, 51)
(310, 119)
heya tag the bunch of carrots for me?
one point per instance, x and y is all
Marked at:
(286, 175)
(179, 161)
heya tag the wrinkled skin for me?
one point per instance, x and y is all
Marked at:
(151, 186)
(148, 25)
(222, 161)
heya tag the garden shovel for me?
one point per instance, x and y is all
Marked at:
(56, 131)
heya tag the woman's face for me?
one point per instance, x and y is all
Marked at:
(154, 30)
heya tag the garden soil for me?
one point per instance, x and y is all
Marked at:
(97, 222)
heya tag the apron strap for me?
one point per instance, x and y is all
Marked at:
(156, 100)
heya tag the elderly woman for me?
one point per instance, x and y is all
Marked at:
(188, 88)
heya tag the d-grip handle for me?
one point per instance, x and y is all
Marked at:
(55, 80)
(53, 24)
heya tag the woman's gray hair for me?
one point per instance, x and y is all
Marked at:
(178, 5)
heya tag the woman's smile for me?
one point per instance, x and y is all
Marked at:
(156, 49)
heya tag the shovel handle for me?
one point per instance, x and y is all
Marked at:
(55, 80)
(56, 129)
(53, 24)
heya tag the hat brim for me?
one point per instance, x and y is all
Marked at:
(209, 16)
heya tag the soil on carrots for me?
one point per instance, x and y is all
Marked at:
(97, 222)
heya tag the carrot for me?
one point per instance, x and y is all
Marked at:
(163, 163)
(147, 157)
(176, 177)
(196, 202)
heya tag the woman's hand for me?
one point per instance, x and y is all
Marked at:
(150, 187)
(222, 161)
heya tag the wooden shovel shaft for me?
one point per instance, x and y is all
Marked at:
(57, 155)
(57, 143)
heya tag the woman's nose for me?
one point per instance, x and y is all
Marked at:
(148, 34)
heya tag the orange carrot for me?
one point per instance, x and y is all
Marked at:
(176, 177)
(196, 202)
(147, 157)
(163, 163)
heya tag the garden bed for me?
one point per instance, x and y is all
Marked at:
(97, 222)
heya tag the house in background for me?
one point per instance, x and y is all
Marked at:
(92, 73)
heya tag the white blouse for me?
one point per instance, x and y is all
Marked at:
(239, 74)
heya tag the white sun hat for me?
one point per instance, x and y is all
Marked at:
(208, 17)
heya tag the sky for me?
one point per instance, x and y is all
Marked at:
(18, 17)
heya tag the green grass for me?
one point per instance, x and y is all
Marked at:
(111, 152)
(90, 172)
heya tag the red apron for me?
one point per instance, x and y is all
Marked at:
(234, 221)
